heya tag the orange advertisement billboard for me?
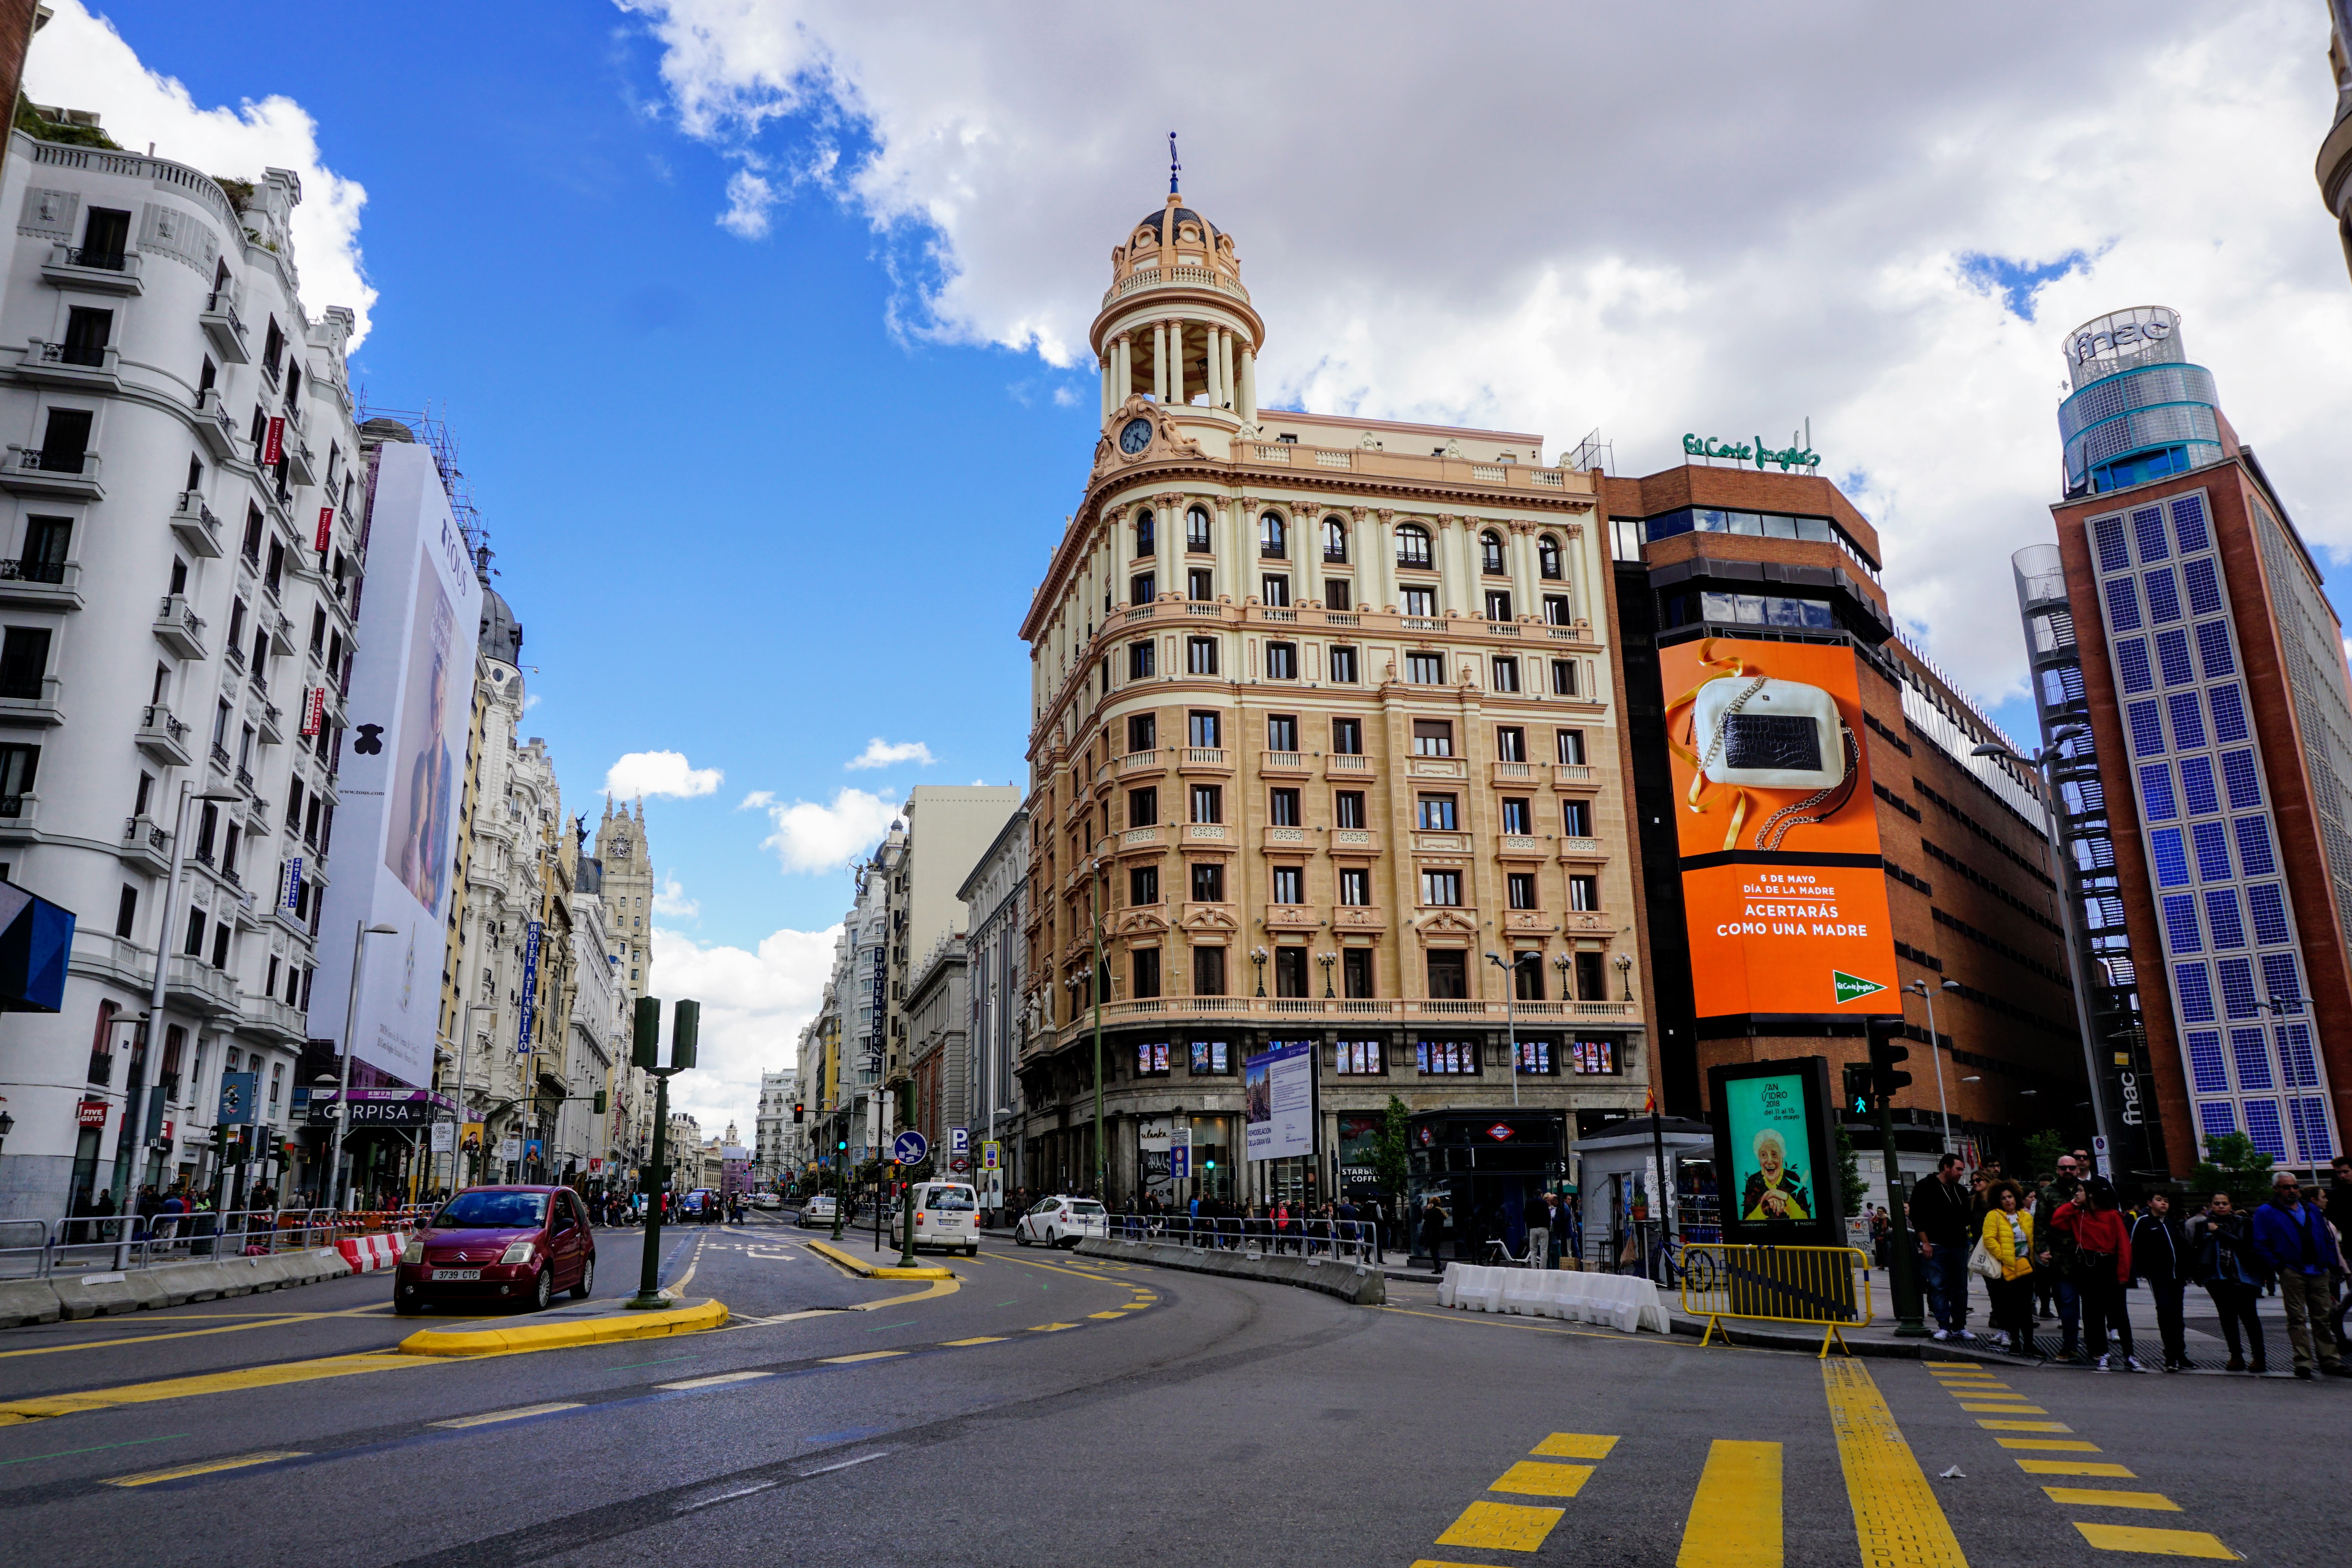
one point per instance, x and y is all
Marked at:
(1784, 892)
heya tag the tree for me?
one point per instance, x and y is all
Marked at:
(1850, 1173)
(2042, 1151)
(1389, 1153)
(2234, 1165)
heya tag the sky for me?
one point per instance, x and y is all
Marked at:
(761, 324)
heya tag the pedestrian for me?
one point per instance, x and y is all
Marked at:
(2054, 1263)
(1540, 1235)
(1433, 1232)
(2232, 1270)
(2102, 1265)
(2008, 1235)
(2161, 1257)
(1939, 1213)
(2299, 1244)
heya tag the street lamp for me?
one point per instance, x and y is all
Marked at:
(1511, 1018)
(1563, 962)
(1326, 959)
(1625, 974)
(1935, 1050)
(360, 933)
(1259, 956)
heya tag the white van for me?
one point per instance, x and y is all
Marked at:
(947, 1214)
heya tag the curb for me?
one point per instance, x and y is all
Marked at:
(1357, 1285)
(1757, 1337)
(865, 1270)
(694, 1320)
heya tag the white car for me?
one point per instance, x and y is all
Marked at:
(817, 1210)
(947, 1214)
(1062, 1221)
(766, 1201)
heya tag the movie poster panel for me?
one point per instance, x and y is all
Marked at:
(1784, 893)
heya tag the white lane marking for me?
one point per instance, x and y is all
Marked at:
(828, 1469)
(722, 1497)
(517, 1413)
(715, 1381)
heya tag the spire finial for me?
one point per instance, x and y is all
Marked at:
(1172, 165)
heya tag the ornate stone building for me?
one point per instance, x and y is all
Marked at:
(626, 871)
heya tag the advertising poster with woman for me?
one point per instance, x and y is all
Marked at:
(1770, 1148)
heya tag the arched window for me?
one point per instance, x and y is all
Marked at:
(1273, 537)
(1490, 553)
(1146, 535)
(1548, 557)
(1196, 531)
(1413, 544)
(1334, 539)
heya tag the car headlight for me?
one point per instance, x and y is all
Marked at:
(415, 1251)
(516, 1252)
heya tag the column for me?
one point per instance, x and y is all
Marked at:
(1249, 383)
(1521, 544)
(1239, 576)
(1449, 565)
(1376, 577)
(1160, 361)
(1123, 378)
(1225, 365)
(1109, 371)
(1169, 542)
(1176, 362)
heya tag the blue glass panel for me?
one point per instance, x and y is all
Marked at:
(2147, 732)
(2245, 787)
(2229, 712)
(2266, 901)
(2172, 654)
(2131, 657)
(2221, 918)
(2171, 862)
(2216, 1118)
(2196, 989)
(2205, 1068)
(2254, 845)
(2238, 998)
(2250, 1051)
(2204, 588)
(2263, 1126)
(2122, 604)
(2109, 533)
(2180, 933)
(2283, 980)
(2196, 785)
(2147, 529)
(2212, 852)
(1669, 525)
(2188, 720)
(2296, 1060)
(2310, 1113)
(2188, 523)
(2163, 596)
(2213, 649)
(2156, 794)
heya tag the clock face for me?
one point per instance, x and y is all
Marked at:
(1134, 436)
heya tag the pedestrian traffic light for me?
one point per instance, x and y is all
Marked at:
(1857, 1087)
(842, 1147)
(1886, 1078)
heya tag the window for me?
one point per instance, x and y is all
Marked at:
(1556, 611)
(1355, 887)
(1142, 588)
(87, 332)
(1196, 531)
(1490, 553)
(1526, 976)
(1435, 813)
(1143, 807)
(1282, 661)
(1203, 730)
(1208, 803)
(1147, 537)
(1425, 669)
(236, 625)
(1505, 672)
(1413, 546)
(1521, 886)
(1449, 975)
(1209, 1057)
(105, 236)
(1200, 585)
(195, 944)
(1348, 737)
(1337, 594)
(1348, 809)
(1510, 743)
(1563, 678)
(18, 766)
(1432, 737)
(1273, 537)
(1142, 731)
(1357, 1058)
(220, 945)
(1151, 1056)
(1441, 887)
(1567, 746)
(1143, 886)
(1199, 656)
(1418, 601)
(1139, 659)
(46, 541)
(1591, 980)
(1282, 808)
(1536, 1059)
(1518, 815)
(1209, 980)
(1343, 665)
(1499, 605)
(1334, 539)
(65, 440)
(275, 575)
(126, 912)
(1593, 1058)
(1548, 558)
(1583, 892)
(1146, 984)
(1356, 974)
(1576, 819)
(1106, 672)
(1289, 885)
(1274, 590)
(23, 661)
(1290, 972)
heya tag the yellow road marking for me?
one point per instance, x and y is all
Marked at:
(1574, 1445)
(2103, 1497)
(862, 1355)
(937, 1288)
(1057, 1268)
(2058, 1444)
(1975, 1408)
(1973, 1387)
(982, 1339)
(515, 1415)
(1530, 1478)
(1433, 1563)
(2074, 1467)
(203, 1467)
(2154, 1542)
(207, 1383)
(2025, 1425)
(1896, 1521)
(1735, 1515)
(1114, 1315)
(1512, 1526)
(1051, 1328)
(247, 1320)
(715, 1381)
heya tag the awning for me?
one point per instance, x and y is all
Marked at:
(36, 936)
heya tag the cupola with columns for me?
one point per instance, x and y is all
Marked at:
(1176, 324)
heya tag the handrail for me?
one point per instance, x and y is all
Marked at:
(41, 1248)
(1260, 1234)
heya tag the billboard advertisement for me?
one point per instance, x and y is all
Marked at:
(1784, 894)
(402, 763)
(1775, 1152)
(1278, 1101)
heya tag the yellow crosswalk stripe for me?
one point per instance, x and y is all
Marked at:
(862, 1355)
(1735, 1515)
(2057, 1445)
(1574, 1445)
(982, 1340)
(202, 1467)
(1977, 1408)
(2101, 1497)
(2155, 1542)
(2074, 1467)
(1112, 1315)
(1433, 1563)
(1051, 1328)
(2025, 1425)
(1898, 1522)
(1515, 1527)
(1530, 1479)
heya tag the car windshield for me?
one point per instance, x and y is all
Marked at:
(1085, 1205)
(494, 1210)
(951, 1198)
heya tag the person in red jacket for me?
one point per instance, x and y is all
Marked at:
(2103, 1266)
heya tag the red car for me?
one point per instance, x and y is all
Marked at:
(516, 1244)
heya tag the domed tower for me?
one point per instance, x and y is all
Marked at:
(1176, 326)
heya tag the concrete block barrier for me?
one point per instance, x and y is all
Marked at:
(91, 1293)
(24, 1301)
(1358, 1284)
(1620, 1301)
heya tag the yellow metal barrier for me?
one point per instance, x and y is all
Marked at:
(1825, 1286)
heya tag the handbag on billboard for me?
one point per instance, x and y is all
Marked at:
(1752, 732)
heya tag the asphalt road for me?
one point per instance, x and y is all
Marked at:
(1043, 1409)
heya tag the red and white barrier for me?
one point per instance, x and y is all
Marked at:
(366, 1254)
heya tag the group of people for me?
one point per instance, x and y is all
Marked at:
(2069, 1248)
(1551, 1228)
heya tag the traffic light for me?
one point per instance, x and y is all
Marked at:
(1885, 1052)
(645, 1046)
(600, 1103)
(686, 1022)
(798, 1110)
(1857, 1087)
(842, 1147)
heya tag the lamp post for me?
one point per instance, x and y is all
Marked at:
(646, 1053)
(360, 933)
(464, 1048)
(1563, 963)
(1511, 1018)
(1625, 974)
(1326, 959)
(1936, 1049)
(1258, 957)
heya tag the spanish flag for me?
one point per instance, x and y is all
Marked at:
(1650, 1102)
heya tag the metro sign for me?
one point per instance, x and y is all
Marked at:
(1500, 1130)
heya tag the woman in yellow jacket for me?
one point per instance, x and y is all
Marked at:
(2009, 1237)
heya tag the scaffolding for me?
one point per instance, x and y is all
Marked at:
(432, 433)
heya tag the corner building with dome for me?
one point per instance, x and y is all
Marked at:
(1323, 714)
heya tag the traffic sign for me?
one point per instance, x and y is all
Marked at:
(909, 1148)
(1179, 1160)
(959, 1163)
(989, 1155)
(959, 1140)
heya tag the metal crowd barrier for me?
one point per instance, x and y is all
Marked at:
(1822, 1287)
(37, 1249)
(1353, 1240)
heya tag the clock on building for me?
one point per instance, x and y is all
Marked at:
(1134, 436)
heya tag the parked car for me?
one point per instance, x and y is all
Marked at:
(817, 1210)
(766, 1201)
(517, 1244)
(1062, 1221)
(947, 1214)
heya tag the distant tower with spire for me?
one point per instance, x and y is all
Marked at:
(628, 894)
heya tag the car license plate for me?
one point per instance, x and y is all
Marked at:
(441, 1274)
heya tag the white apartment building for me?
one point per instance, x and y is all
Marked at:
(777, 1141)
(182, 571)
(995, 902)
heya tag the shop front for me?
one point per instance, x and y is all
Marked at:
(1488, 1172)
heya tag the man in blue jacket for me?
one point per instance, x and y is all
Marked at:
(2295, 1239)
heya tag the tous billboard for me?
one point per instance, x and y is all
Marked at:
(1784, 894)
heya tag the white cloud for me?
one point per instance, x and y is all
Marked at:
(78, 61)
(754, 1006)
(749, 200)
(672, 901)
(1779, 215)
(881, 753)
(812, 837)
(660, 774)
(757, 797)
